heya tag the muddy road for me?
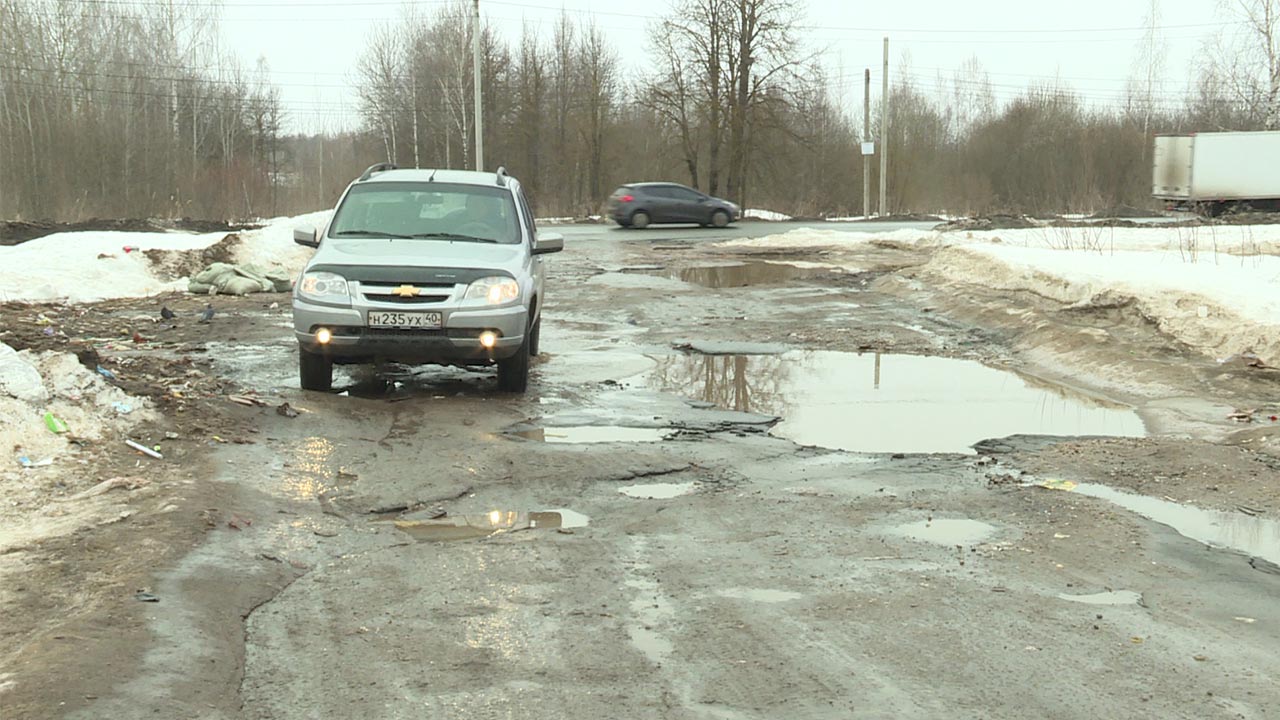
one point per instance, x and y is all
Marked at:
(745, 483)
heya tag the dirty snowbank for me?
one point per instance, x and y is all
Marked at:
(95, 412)
(1221, 309)
(821, 237)
(94, 265)
(32, 384)
(1215, 288)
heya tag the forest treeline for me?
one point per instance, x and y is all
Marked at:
(163, 120)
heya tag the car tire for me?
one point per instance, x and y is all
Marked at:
(315, 372)
(535, 334)
(640, 219)
(513, 372)
(720, 218)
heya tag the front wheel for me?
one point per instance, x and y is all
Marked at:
(315, 372)
(720, 218)
(513, 372)
(534, 335)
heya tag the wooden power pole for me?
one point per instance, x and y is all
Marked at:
(884, 133)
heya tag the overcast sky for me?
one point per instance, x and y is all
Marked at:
(312, 45)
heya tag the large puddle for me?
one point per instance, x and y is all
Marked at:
(876, 402)
(747, 273)
(1250, 535)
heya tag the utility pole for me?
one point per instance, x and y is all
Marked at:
(883, 133)
(866, 138)
(475, 69)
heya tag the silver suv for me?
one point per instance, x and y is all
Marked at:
(423, 266)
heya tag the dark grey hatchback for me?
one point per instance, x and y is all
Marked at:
(639, 205)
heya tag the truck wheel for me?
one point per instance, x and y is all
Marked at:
(513, 372)
(315, 372)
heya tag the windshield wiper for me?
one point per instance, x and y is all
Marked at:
(370, 233)
(453, 236)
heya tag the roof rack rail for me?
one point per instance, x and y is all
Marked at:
(502, 176)
(380, 167)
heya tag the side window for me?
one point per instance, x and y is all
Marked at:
(529, 225)
(686, 195)
(663, 193)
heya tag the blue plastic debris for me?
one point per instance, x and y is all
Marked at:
(106, 373)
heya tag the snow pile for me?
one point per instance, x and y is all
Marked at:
(1222, 308)
(271, 247)
(757, 214)
(32, 384)
(89, 266)
(821, 237)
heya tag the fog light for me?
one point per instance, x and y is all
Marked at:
(488, 338)
(323, 336)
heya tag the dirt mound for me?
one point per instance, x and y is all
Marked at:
(987, 222)
(16, 232)
(174, 264)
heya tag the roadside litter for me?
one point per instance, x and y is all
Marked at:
(228, 279)
(55, 425)
(144, 449)
(27, 462)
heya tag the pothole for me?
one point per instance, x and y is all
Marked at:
(1248, 534)
(875, 402)
(745, 274)
(470, 527)
(658, 491)
(1114, 597)
(945, 531)
(593, 434)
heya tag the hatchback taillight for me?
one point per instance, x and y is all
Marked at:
(626, 198)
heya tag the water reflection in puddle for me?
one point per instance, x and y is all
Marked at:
(311, 470)
(1251, 535)
(1115, 597)
(470, 527)
(877, 402)
(593, 434)
(945, 531)
(762, 595)
(658, 491)
(744, 274)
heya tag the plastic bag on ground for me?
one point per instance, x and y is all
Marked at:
(19, 378)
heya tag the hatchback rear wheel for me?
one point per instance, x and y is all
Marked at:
(640, 219)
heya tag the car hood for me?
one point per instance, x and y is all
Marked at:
(419, 253)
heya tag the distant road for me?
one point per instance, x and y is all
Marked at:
(659, 233)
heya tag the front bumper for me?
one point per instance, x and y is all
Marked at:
(457, 342)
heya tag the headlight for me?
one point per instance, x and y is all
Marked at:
(324, 287)
(494, 290)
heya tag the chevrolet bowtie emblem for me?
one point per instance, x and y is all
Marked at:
(406, 291)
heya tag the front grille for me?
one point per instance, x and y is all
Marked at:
(398, 300)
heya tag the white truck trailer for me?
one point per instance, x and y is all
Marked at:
(1211, 173)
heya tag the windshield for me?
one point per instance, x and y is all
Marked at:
(427, 211)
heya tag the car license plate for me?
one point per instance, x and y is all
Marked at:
(405, 320)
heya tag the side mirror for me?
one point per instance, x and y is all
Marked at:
(547, 242)
(306, 236)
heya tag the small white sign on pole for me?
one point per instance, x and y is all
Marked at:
(868, 148)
